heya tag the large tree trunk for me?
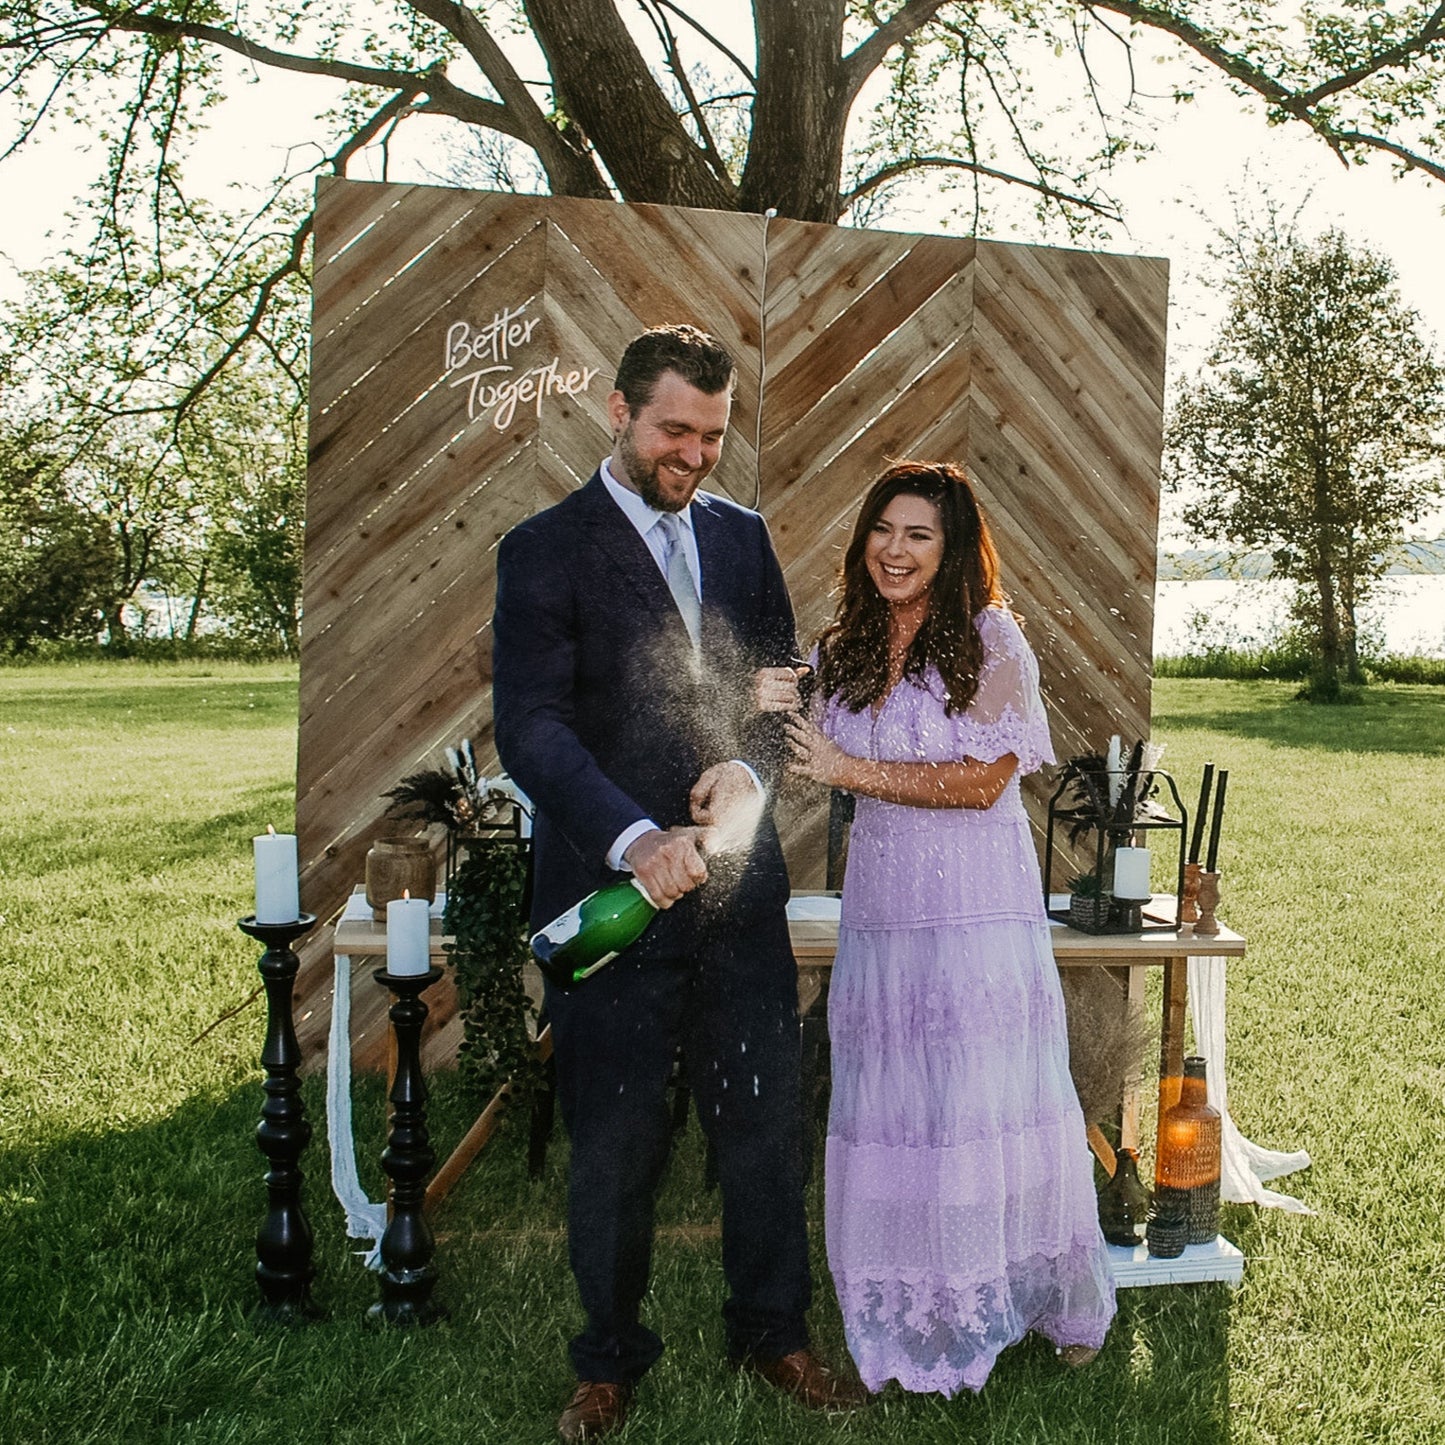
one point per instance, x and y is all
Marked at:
(795, 158)
(1326, 686)
(117, 637)
(1349, 618)
(1350, 642)
(645, 147)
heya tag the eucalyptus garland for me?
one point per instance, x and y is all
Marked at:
(484, 913)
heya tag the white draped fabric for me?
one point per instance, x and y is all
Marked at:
(365, 1219)
(1245, 1166)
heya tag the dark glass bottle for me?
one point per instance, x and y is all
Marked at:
(1124, 1202)
(1168, 1229)
(1190, 1138)
(593, 932)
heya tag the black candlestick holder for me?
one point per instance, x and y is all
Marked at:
(407, 1246)
(284, 1270)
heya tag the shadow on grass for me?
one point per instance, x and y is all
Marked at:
(170, 841)
(126, 1278)
(1406, 720)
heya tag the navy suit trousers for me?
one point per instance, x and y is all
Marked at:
(732, 1005)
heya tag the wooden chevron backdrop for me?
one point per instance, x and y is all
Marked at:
(464, 345)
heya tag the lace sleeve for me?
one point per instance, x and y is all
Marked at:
(1007, 713)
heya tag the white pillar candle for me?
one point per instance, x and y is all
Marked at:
(278, 888)
(1131, 874)
(408, 935)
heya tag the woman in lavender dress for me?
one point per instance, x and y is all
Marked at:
(960, 1199)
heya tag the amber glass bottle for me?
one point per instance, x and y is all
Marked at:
(1189, 1153)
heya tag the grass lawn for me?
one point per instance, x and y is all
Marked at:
(130, 1185)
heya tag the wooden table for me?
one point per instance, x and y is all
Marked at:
(1128, 957)
(359, 935)
(815, 942)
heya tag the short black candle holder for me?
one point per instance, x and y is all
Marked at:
(407, 1246)
(284, 1270)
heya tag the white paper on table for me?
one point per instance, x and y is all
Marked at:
(1244, 1166)
(814, 908)
(358, 910)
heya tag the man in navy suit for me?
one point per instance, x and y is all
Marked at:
(642, 639)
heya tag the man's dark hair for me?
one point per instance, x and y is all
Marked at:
(692, 354)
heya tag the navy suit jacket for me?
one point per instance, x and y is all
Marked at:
(605, 714)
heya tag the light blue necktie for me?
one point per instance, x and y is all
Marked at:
(679, 575)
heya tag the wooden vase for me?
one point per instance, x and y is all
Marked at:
(397, 866)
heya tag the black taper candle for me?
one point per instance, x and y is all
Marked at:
(1213, 859)
(1197, 839)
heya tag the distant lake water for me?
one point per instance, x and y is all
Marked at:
(1407, 615)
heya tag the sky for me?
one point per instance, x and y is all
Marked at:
(1211, 158)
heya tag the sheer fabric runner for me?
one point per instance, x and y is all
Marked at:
(1244, 1166)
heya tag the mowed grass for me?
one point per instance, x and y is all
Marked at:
(130, 1185)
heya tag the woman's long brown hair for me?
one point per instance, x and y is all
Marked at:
(853, 650)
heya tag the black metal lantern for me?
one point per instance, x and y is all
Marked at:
(1113, 824)
(504, 830)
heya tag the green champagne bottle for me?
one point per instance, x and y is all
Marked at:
(593, 932)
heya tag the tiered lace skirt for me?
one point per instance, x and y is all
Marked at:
(961, 1208)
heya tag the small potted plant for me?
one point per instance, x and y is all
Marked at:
(1089, 903)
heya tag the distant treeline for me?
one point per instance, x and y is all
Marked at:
(1409, 559)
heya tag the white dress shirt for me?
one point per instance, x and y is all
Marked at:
(645, 518)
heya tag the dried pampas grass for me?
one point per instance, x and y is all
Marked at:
(1107, 1040)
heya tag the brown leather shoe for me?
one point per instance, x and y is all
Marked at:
(809, 1381)
(597, 1408)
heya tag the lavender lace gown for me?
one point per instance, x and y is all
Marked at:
(960, 1199)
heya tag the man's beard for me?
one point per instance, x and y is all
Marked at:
(645, 479)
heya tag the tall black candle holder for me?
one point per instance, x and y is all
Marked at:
(407, 1246)
(284, 1270)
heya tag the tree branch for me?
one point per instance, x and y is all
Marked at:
(953, 163)
(1411, 160)
(710, 38)
(63, 75)
(136, 22)
(1298, 105)
(668, 39)
(570, 170)
(293, 264)
(907, 20)
(1433, 29)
